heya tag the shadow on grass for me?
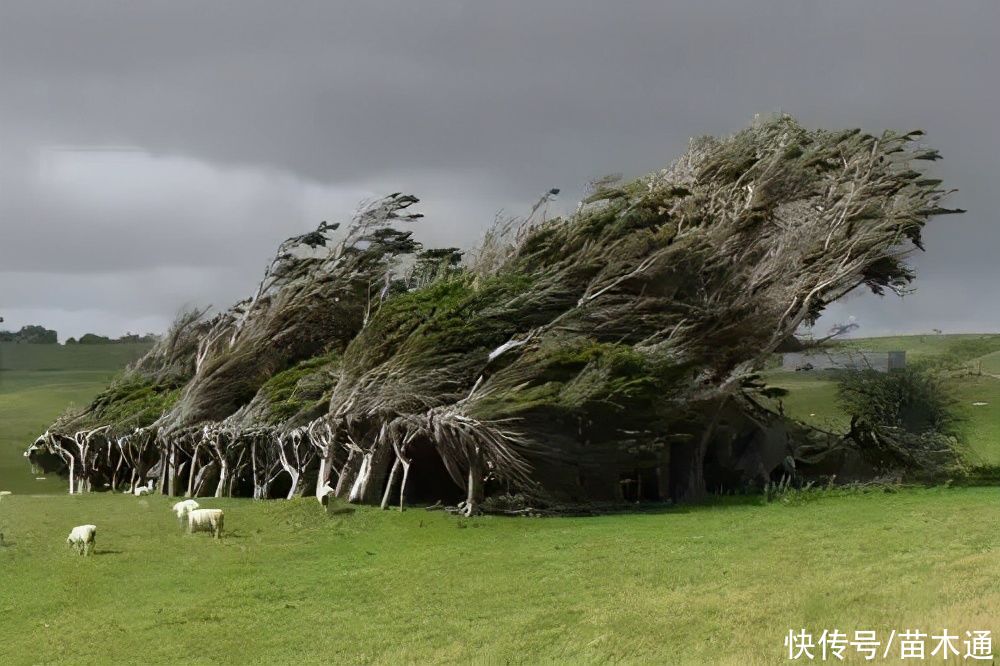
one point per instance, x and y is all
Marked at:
(666, 508)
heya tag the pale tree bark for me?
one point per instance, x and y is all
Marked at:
(296, 453)
(474, 486)
(388, 486)
(323, 438)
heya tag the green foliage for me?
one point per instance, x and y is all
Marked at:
(132, 402)
(622, 324)
(458, 313)
(914, 398)
(292, 390)
(31, 334)
(903, 420)
(579, 376)
(93, 339)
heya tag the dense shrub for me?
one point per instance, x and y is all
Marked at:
(915, 399)
(903, 420)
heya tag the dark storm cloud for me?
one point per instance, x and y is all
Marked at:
(253, 121)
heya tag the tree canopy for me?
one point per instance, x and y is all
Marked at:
(568, 357)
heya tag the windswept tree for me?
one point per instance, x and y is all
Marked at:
(611, 354)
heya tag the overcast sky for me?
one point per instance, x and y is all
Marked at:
(153, 154)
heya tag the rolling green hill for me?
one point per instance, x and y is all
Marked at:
(37, 382)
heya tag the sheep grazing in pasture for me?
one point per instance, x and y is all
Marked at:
(205, 520)
(324, 493)
(4, 493)
(146, 489)
(184, 507)
(83, 538)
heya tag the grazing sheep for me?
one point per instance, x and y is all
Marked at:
(146, 489)
(324, 493)
(183, 508)
(4, 493)
(83, 538)
(205, 520)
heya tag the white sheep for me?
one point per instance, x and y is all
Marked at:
(205, 520)
(184, 507)
(4, 493)
(83, 538)
(146, 489)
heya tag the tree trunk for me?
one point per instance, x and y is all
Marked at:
(347, 474)
(162, 483)
(172, 469)
(690, 483)
(223, 477)
(378, 469)
(474, 486)
(296, 488)
(193, 473)
(323, 476)
(388, 486)
(361, 478)
(203, 473)
(402, 485)
(114, 475)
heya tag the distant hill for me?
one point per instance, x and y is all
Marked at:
(38, 382)
(47, 357)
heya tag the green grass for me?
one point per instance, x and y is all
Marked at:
(712, 584)
(720, 583)
(38, 382)
(59, 358)
(813, 395)
(964, 346)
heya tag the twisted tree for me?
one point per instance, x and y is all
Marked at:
(611, 354)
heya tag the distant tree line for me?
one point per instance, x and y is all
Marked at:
(39, 335)
(94, 339)
(31, 334)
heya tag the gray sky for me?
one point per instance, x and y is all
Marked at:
(153, 154)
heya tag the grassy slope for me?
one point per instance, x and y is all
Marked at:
(699, 585)
(37, 382)
(813, 396)
(714, 584)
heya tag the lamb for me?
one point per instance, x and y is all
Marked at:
(146, 489)
(184, 507)
(205, 520)
(83, 538)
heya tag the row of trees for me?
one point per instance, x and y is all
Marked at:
(31, 334)
(128, 338)
(34, 334)
(566, 357)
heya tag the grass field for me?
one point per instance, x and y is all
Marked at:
(37, 382)
(813, 395)
(714, 584)
(720, 583)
